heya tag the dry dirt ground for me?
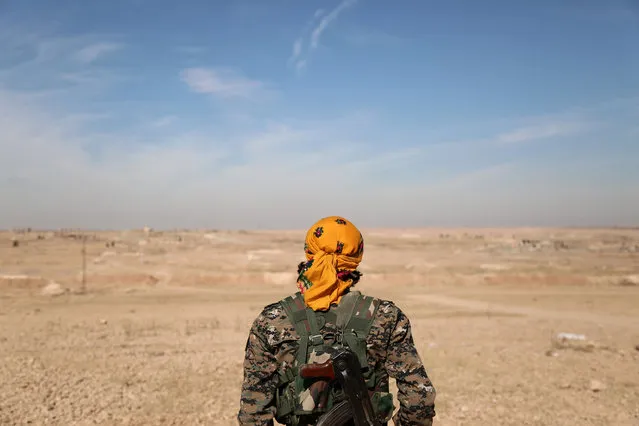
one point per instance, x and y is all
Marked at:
(157, 337)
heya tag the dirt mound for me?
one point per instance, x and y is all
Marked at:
(53, 289)
(31, 285)
(22, 282)
(120, 279)
(630, 281)
(228, 278)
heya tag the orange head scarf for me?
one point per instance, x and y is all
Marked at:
(333, 246)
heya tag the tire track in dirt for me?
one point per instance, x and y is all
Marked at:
(476, 305)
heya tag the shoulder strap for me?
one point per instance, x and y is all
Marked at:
(346, 308)
(363, 315)
(314, 338)
(356, 312)
(297, 314)
(349, 318)
(357, 315)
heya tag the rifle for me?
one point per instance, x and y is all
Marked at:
(344, 368)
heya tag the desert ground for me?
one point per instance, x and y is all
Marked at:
(151, 328)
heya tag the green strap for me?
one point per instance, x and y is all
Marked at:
(288, 375)
(346, 308)
(357, 328)
(298, 317)
(330, 316)
(293, 312)
(363, 319)
(315, 338)
(312, 322)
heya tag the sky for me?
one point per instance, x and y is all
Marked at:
(274, 113)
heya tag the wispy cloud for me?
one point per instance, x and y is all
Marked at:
(98, 77)
(301, 64)
(295, 59)
(164, 121)
(222, 82)
(299, 59)
(297, 49)
(543, 130)
(93, 52)
(326, 21)
(54, 63)
(274, 137)
(557, 127)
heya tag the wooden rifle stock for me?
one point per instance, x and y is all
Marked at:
(324, 370)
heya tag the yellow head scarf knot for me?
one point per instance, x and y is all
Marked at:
(333, 246)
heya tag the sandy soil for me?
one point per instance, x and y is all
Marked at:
(157, 335)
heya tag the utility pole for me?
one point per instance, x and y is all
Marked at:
(84, 264)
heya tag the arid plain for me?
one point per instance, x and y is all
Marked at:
(154, 331)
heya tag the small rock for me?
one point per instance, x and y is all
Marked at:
(573, 341)
(52, 289)
(630, 281)
(103, 322)
(570, 336)
(550, 352)
(637, 347)
(597, 386)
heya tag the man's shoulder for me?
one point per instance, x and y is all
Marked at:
(383, 305)
(385, 310)
(275, 314)
(273, 311)
(386, 306)
(272, 324)
(272, 316)
(278, 310)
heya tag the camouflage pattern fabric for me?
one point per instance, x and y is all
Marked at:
(272, 345)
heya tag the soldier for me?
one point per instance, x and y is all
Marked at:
(275, 347)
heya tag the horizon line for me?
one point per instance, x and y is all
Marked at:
(22, 230)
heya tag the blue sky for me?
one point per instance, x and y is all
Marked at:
(271, 114)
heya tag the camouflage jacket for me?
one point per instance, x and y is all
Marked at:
(273, 342)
